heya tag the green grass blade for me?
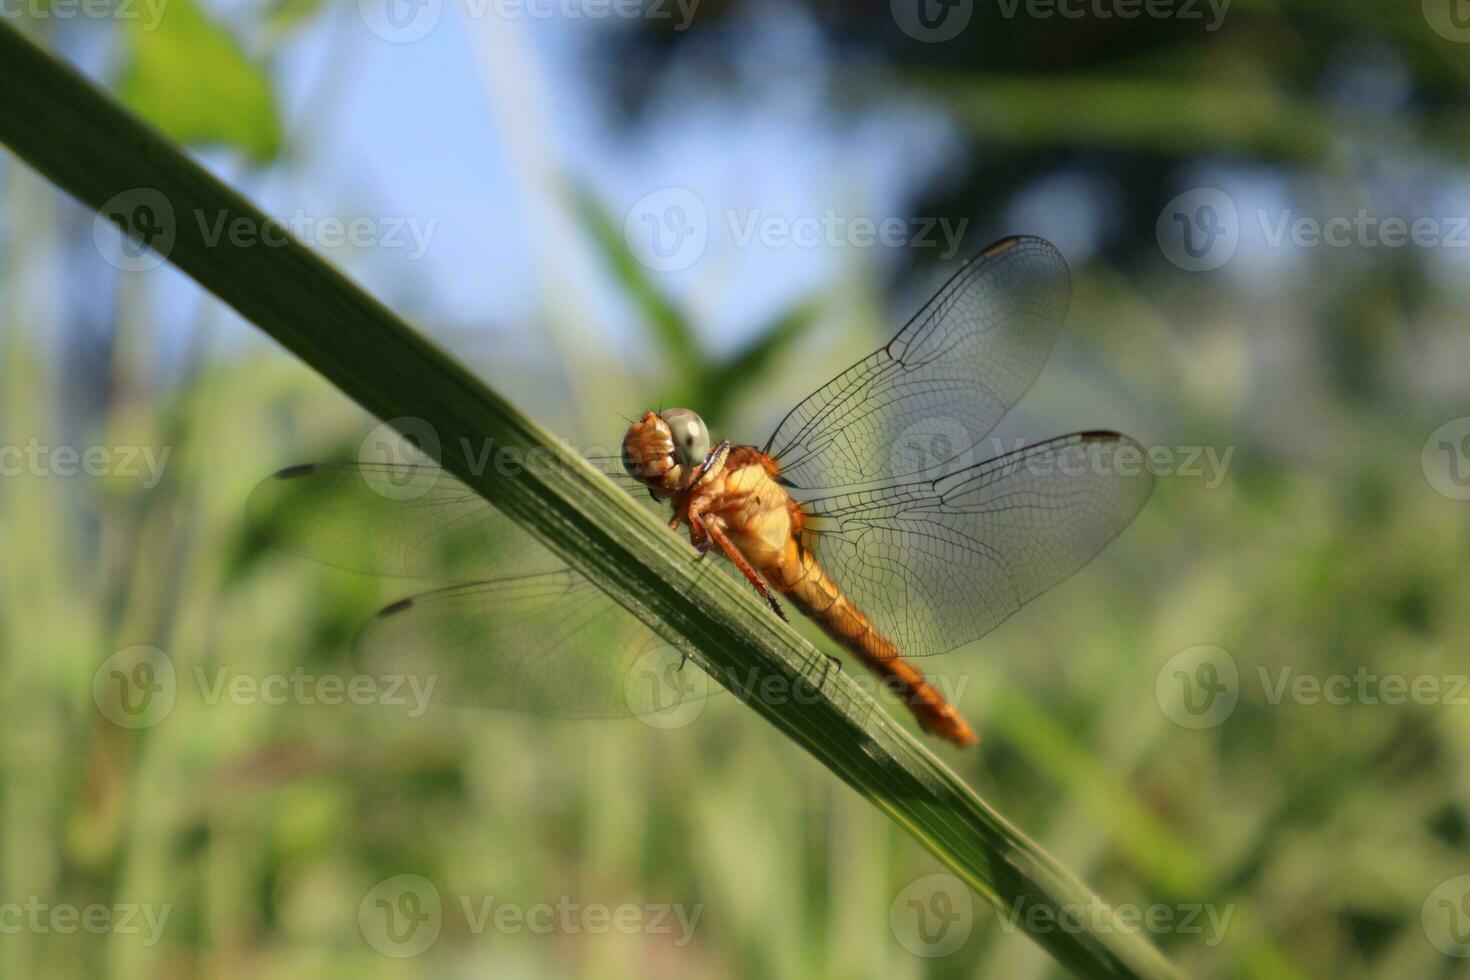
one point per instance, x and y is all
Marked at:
(78, 137)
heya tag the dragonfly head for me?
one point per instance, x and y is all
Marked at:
(661, 449)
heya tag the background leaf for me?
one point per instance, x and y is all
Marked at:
(189, 77)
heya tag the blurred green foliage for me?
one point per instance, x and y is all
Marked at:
(1323, 828)
(189, 77)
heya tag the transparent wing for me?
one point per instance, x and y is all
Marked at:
(937, 564)
(400, 520)
(525, 632)
(942, 383)
(551, 644)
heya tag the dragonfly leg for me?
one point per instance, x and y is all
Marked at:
(746, 569)
(697, 473)
(698, 532)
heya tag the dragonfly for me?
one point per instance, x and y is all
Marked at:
(866, 510)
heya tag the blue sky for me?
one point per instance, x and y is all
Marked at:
(468, 127)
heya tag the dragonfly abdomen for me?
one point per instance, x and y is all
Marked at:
(766, 527)
(801, 578)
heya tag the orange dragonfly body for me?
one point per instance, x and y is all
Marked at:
(732, 499)
(865, 509)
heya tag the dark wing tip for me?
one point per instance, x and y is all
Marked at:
(1006, 244)
(1010, 242)
(394, 608)
(1108, 437)
(1001, 247)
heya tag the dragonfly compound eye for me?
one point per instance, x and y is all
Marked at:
(691, 436)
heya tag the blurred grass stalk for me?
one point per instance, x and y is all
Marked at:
(78, 137)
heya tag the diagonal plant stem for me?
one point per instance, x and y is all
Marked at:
(78, 137)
